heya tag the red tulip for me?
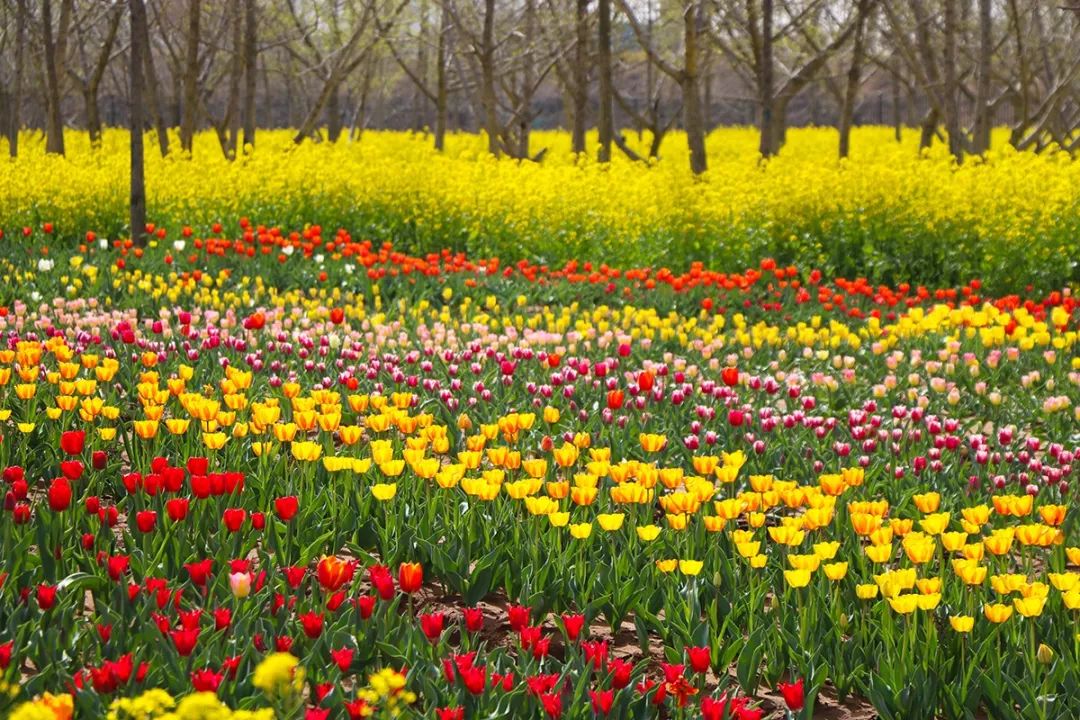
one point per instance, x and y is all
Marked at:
(177, 508)
(286, 507)
(596, 653)
(382, 580)
(358, 709)
(117, 566)
(343, 658)
(199, 571)
(222, 618)
(46, 596)
(433, 624)
(552, 703)
(410, 577)
(573, 625)
(99, 459)
(184, 640)
(234, 518)
(72, 469)
(198, 465)
(474, 619)
(334, 572)
(145, 520)
(730, 376)
(450, 713)
(615, 399)
(700, 658)
(620, 672)
(206, 680)
(474, 679)
(312, 624)
(793, 693)
(5, 654)
(601, 701)
(72, 441)
(519, 616)
(365, 605)
(645, 380)
(59, 495)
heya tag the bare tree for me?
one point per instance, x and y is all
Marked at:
(136, 63)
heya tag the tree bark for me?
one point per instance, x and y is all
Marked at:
(97, 73)
(419, 99)
(692, 115)
(333, 115)
(150, 84)
(137, 203)
(581, 75)
(487, 80)
(851, 91)
(440, 78)
(767, 146)
(191, 78)
(236, 76)
(952, 109)
(606, 123)
(250, 68)
(54, 47)
(981, 134)
(15, 118)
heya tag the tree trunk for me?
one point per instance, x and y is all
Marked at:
(440, 79)
(420, 110)
(14, 118)
(981, 134)
(487, 71)
(191, 78)
(952, 110)
(897, 121)
(928, 128)
(847, 111)
(54, 142)
(607, 92)
(236, 76)
(767, 146)
(329, 89)
(581, 75)
(250, 68)
(150, 84)
(135, 118)
(97, 73)
(93, 117)
(333, 115)
(692, 115)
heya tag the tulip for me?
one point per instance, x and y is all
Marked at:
(59, 495)
(334, 572)
(410, 577)
(72, 441)
(234, 518)
(432, 624)
(286, 507)
(145, 520)
(240, 584)
(312, 624)
(700, 658)
(794, 696)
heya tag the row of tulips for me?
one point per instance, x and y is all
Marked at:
(796, 504)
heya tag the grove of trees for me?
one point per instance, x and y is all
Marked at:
(333, 68)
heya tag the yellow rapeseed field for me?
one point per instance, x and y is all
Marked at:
(886, 211)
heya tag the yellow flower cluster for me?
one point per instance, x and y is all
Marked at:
(1015, 201)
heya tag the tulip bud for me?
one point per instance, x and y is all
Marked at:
(1045, 654)
(240, 583)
